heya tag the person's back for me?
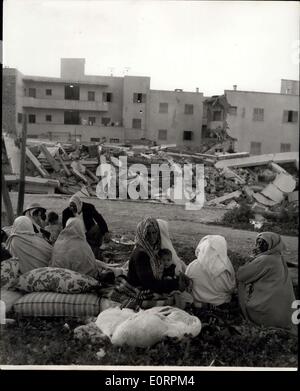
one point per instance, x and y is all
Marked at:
(71, 251)
(269, 291)
(32, 251)
(212, 272)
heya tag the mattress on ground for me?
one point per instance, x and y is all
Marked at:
(9, 298)
(58, 304)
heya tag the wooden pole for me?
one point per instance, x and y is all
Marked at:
(22, 167)
(7, 200)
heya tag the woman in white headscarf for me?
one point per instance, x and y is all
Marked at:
(23, 243)
(166, 243)
(212, 272)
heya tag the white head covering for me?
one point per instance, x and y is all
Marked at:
(166, 243)
(77, 201)
(211, 252)
(212, 272)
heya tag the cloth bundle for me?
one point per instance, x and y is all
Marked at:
(146, 327)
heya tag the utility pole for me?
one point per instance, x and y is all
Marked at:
(22, 168)
(7, 200)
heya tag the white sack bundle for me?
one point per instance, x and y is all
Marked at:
(141, 331)
(110, 319)
(148, 327)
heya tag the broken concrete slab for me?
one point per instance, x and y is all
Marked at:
(264, 200)
(80, 176)
(285, 182)
(284, 157)
(235, 194)
(34, 185)
(235, 155)
(50, 157)
(276, 168)
(36, 163)
(273, 193)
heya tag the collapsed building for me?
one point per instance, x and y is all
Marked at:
(77, 107)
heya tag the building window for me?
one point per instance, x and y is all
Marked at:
(188, 109)
(187, 135)
(290, 116)
(71, 118)
(31, 118)
(105, 121)
(107, 96)
(72, 92)
(20, 118)
(136, 123)
(114, 140)
(243, 112)
(255, 148)
(217, 115)
(92, 120)
(91, 95)
(49, 118)
(32, 92)
(163, 107)
(258, 114)
(48, 91)
(232, 110)
(285, 147)
(162, 134)
(138, 97)
(95, 139)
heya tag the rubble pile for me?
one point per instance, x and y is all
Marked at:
(229, 178)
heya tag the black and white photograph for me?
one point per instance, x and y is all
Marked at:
(150, 184)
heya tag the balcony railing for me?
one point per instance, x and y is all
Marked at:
(63, 104)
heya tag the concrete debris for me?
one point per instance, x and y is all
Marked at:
(280, 158)
(229, 178)
(235, 194)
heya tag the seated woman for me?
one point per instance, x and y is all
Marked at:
(264, 284)
(212, 272)
(72, 251)
(145, 269)
(144, 286)
(23, 243)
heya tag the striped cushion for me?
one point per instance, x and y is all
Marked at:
(58, 304)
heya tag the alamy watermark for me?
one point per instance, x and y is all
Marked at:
(182, 184)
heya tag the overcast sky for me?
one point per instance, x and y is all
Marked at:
(179, 44)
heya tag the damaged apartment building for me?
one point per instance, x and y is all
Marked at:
(87, 108)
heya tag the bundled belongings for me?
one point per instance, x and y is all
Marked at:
(146, 328)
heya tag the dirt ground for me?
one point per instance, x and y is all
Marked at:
(186, 227)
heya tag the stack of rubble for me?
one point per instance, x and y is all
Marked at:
(229, 178)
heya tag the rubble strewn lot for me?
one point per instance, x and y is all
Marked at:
(267, 184)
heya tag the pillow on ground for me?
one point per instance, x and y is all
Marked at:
(54, 279)
(10, 271)
(58, 304)
(10, 298)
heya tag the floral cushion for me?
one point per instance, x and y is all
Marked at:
(10, 272)
(54, 279)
